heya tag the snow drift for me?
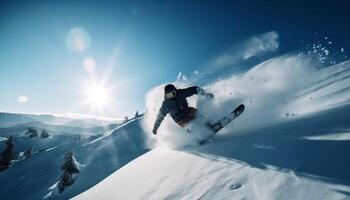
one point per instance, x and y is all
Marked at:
(274, 91)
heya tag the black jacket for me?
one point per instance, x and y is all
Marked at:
(177, 107)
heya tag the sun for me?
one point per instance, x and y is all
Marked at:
(97, 95)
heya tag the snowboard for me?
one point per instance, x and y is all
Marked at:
(216, 127)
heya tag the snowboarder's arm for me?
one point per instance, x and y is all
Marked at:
(160, 117)
(197, 90)
(159, 120)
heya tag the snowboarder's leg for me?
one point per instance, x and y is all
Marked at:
(191, 115)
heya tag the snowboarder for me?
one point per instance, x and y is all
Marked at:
(176, 104)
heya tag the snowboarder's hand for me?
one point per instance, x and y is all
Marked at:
(154, 131)
(210, 95)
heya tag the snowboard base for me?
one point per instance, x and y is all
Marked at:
(223, 122)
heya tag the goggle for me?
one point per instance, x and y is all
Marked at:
(170, 95)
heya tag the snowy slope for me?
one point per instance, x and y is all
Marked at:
(291, 161)
(33, 178)
(292, 142)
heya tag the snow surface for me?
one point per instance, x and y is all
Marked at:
(35, 177)
(169, 174)
(292, 141)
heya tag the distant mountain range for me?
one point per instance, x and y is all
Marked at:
(13, 119)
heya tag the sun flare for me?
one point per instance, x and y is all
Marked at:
(97, 96)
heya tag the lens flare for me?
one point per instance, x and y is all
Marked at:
(23, 99)
(78, 39)
(89, 65)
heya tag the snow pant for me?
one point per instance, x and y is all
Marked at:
(191, 115)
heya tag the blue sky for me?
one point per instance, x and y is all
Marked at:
(137, 45)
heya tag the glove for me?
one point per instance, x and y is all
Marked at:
(154, 131)
(204, 93)
(209, 95)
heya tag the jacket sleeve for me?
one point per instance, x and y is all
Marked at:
(163, 111)
(194, 90)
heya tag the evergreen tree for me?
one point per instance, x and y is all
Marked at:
(32, 133)
(28, 153)
(8, 154)
(44, 134)
(69, 168)
(126, 119)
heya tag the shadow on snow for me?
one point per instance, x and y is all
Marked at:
(288, 147)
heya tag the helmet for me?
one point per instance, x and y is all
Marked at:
(169, 88)
(169, 91)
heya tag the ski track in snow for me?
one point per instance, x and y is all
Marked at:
(52, 148)
(292, 141)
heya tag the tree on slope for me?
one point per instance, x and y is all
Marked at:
(126, 119)
(70, 171)
(8, 154)
(44, 134)
(28, 153)
(32, 133)
(137, 114)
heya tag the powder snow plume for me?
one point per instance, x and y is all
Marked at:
(279, 89)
